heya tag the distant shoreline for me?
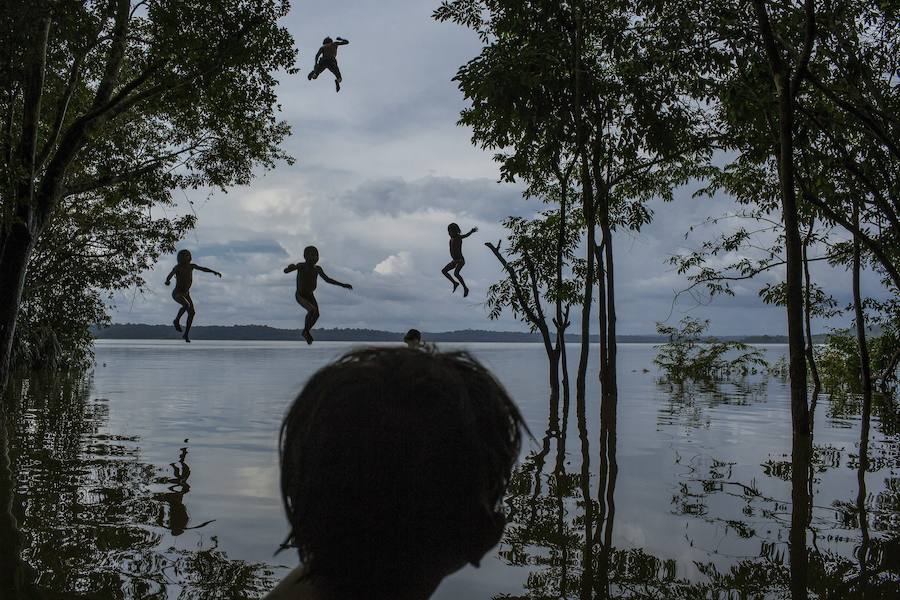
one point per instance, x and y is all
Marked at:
(259, 333)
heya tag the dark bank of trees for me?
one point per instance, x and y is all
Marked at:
(107, 107)
(791, 108)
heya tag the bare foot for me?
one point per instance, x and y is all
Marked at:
(177, 325)
(455, 285)
(186, 338)
(465, 291)
(337, 85)
(307, 336)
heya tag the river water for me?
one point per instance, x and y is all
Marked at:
(157, 478)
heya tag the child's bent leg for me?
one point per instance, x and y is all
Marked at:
(446, 271)
(333, 67)
(189, 307)
(179, 298)
(312, 315)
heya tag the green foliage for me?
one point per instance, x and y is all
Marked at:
(691, 356)
(136, 100)
(839, 363)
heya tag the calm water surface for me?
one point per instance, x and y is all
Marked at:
(158, 478)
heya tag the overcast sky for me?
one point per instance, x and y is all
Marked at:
(381, 170)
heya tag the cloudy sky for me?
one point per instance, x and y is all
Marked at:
(381, 170)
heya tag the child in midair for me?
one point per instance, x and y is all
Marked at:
(457, 262)
(326, 58)
(307, 278)
(183, 273)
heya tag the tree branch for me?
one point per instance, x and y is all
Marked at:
(808, 43)
(867, 241)
(62, 109)
(517, 288)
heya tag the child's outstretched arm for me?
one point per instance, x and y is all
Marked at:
(319, 55)
(474, 229)
(170, 276)
(205, 270)
(341, 41)
(291, 267)
(328, 279)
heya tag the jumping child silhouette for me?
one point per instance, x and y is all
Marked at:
(326, 58)
(457, 262)
(184, 277)
(307, 278)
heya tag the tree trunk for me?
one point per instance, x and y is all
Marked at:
(784, 88)
(13, 265)
(865, 367)
(866, 381)
(611, 390)
(807, 314)
(562, 320)
(796, 336)
(587, 199)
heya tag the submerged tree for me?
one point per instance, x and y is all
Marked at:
(690, 355)
(117, 99)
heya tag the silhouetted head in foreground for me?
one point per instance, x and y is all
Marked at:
(394, 463)
(327, 41)
(453, 229)
(183, 257)
(413, 338)
(311, 254)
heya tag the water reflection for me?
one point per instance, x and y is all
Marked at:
(765, 536)
(80, 503)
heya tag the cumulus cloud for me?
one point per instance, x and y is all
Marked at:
(395, 264)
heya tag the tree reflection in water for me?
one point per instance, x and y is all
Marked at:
(563, 534)
(78, 505)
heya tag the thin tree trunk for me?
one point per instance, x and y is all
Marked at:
(866, 381)
(611, 345)
(562, 319)
(784, 86)
(810, 354)
(587, 199)
(865, 366)
(602, 318)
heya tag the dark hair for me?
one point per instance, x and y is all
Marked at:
(413, 334)
(453, 228)
(327, 40)
(394, 461)
(308, 251)
(183, 256)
